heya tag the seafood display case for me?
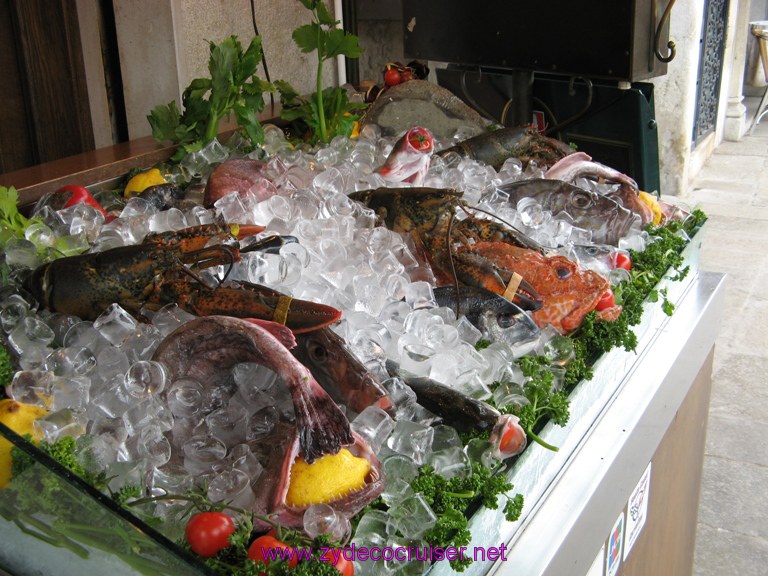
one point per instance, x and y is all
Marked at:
(637, 428)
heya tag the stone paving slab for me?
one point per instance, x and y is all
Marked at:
(732, 189)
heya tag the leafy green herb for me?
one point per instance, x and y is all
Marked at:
(328, 112)
(12, 222)
(7, 369)
(544, 403)
(453, 500)
(233, 87)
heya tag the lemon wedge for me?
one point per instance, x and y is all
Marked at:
(20, 418)
(650, 201)
(143, 180)
(327, 479)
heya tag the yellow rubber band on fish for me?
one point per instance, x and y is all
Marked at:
(512, 286)
(281, 310)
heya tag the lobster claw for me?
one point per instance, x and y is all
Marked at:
(476, 270)
(248, 300)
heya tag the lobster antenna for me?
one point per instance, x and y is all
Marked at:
(450, 261)
(525, 240)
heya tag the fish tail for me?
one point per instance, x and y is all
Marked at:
(323, 427)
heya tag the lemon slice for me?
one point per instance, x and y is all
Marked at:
(142, 181)
(20, 418)
(327, 479)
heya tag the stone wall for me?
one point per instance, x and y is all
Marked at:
(163, 45)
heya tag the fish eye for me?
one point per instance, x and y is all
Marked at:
(317, 352)
(506, 320)
(581, 200)
(563, 273)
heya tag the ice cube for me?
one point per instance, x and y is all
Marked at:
(323, 519)
(115, 324)
(411, 439)
(413, 516)
(374, 425)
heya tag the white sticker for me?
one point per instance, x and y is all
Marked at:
(615, 542)
(637, 510)
(597, 565)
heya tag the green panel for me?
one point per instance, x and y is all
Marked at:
(617, 129)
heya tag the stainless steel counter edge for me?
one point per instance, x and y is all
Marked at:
(570, 522)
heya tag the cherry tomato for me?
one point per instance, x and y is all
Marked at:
(80, 195)
(391, 77)
(259, 550)
(420, 139)
(623, 260)
(209, 532)
(406, 75)
(344, 566)
(606, 301)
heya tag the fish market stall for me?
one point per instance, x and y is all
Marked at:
(479, 352)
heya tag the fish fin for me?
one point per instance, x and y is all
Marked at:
(323, 427)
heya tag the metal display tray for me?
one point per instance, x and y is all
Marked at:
(617, 420)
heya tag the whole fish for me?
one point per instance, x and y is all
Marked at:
(568, 292)
(498, 319)
(581, 165)
(205, 349)
(465, 413)
(339, 372)
(409, 159)
(608, 220)
(523, 142)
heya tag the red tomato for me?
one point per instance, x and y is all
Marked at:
(80, 195)
(346, 567)
(623, 260)
(209, 532)
(406, 75)
(392, 77)
(420, 139)
(259, 550)
(606, 301)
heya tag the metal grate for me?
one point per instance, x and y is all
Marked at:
(710, 68)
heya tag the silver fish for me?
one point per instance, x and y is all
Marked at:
(498, 319)
(608, 220)
(581, 165)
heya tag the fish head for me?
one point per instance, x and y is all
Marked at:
(276, 503)
(606, 218)
(410, 157)
(508, 438)
(573, 293)
(339, 371)
(513, 326)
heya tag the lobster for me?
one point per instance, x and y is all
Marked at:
(429, 216)
(154, 273)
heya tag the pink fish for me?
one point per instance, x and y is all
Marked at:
(410, 157)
